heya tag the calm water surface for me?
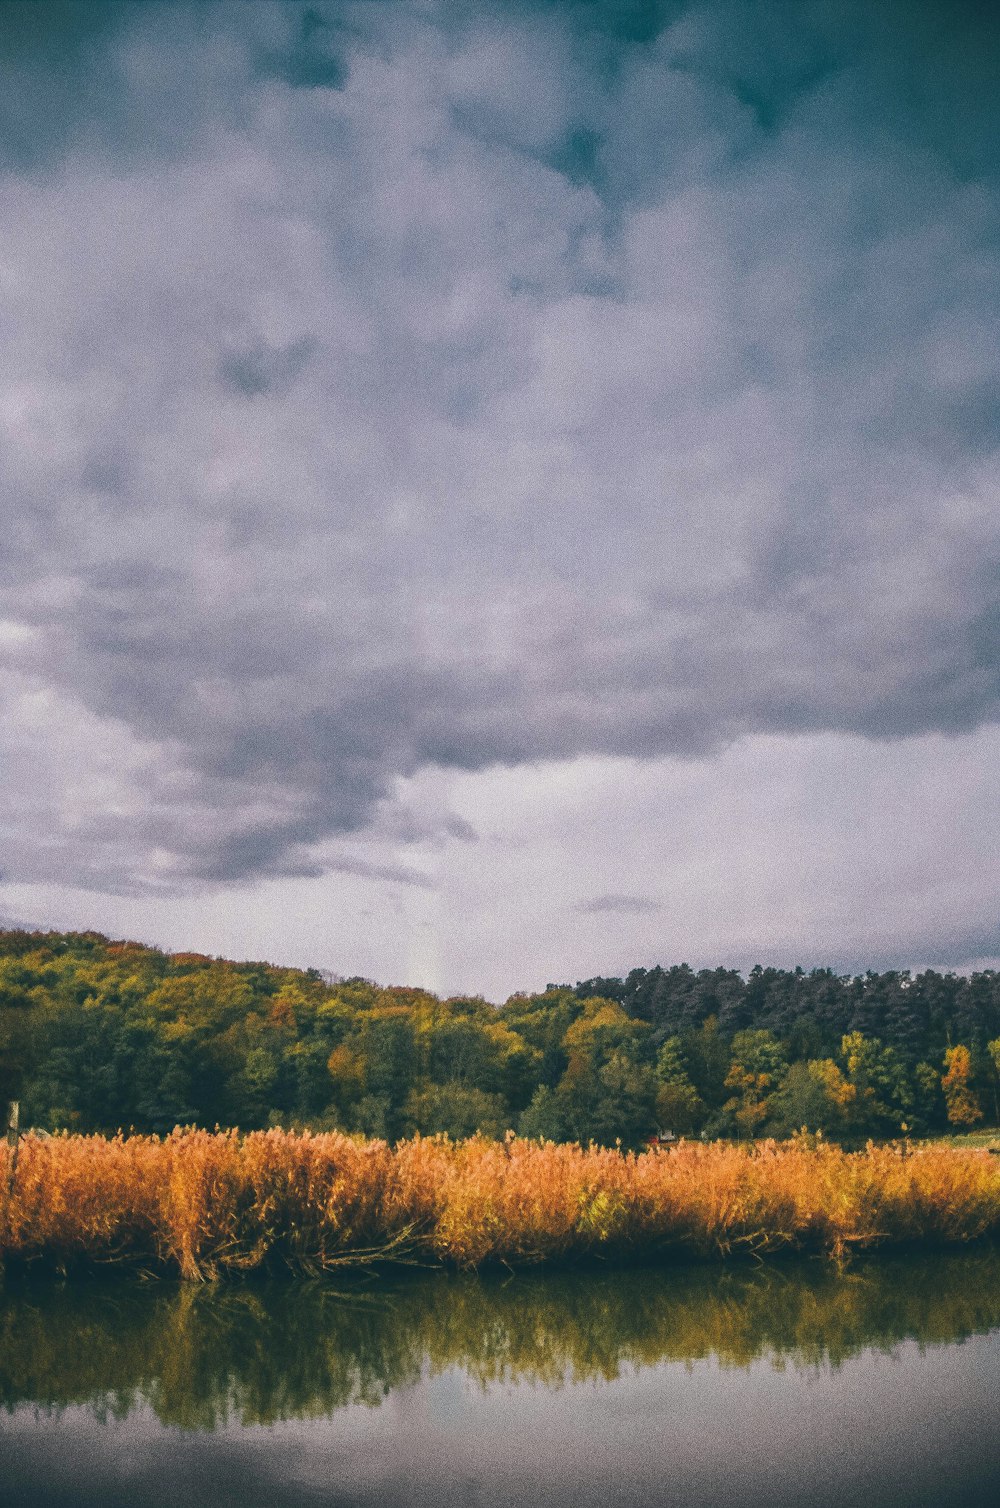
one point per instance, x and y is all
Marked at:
(780, 1385)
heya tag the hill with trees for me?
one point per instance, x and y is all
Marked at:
(97, 1034)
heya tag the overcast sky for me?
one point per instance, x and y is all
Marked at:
(498, 493)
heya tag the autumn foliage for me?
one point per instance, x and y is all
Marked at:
(96, 1035)
(203, 1205)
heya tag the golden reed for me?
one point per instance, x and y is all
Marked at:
(202, 1204)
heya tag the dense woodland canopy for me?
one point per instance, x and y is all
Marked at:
(97, 1035)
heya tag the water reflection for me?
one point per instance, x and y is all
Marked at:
(201, 1358)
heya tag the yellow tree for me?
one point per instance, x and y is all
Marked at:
(959, 1095)
(757, 1068)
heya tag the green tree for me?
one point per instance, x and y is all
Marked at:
(882, 1100)
(679, 1107)
(457, 1109)
(544, 1117)
(814, 1095)
(387, 1045)
(608, 1090)
(928, 1102)
(707, 1058)
(758, 1066)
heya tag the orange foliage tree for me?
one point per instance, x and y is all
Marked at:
(959, 1096)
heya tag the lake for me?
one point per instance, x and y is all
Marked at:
(782, 1384)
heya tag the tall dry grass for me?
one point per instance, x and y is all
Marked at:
(200, 1204)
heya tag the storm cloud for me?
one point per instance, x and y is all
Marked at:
(437, 386)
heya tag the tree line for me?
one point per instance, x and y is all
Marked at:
(97, 1035)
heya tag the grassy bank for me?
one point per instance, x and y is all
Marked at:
(203, 1205)
(987, 1140)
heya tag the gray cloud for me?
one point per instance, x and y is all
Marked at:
(623, 905)
(263, 369)
(14, 924)
(426, 386)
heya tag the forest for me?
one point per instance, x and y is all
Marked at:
(99, 1035)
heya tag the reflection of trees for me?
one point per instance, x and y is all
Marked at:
(262, 1353)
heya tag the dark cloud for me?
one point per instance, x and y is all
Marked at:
(264, 369)
(956, 948)
(409, 385)
(623, 905)
(310, 57)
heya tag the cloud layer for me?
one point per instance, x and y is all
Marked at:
(814, 849)
(413, 386)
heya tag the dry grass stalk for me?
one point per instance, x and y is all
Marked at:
(203, 1204)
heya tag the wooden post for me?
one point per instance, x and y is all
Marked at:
(13, 1132)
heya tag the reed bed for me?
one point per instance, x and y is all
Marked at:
(203, 1205)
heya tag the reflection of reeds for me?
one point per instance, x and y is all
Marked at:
(268, 1351)
(201, 1204)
